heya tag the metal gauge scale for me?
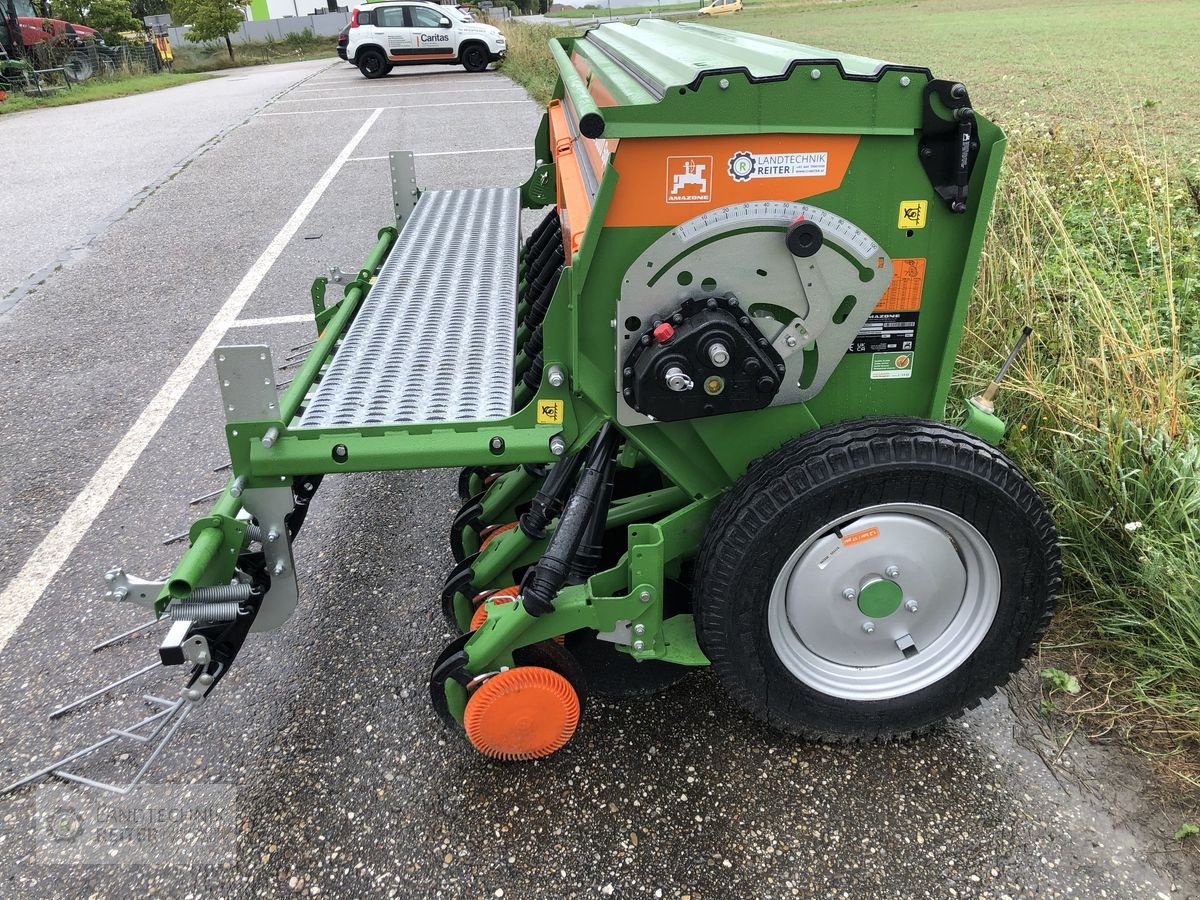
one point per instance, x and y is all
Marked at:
(805, 277)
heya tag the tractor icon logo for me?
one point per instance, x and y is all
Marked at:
(688, 179)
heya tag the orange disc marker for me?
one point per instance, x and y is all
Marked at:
(521, 714)
(493, 531)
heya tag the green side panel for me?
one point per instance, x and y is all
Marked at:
(259, 11)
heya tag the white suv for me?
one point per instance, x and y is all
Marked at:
(383, 35)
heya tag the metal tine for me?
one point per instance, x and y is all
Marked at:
(305, 344)
(82, 701)
(175, 538)
(209, 496)
(223, 467)
(284, 384)
(169, 719)
(124, 634)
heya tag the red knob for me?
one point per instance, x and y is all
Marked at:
(664, 332)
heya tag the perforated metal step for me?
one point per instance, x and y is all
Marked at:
(433, 340)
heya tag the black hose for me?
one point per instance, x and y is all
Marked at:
(549, 497)
(550, 574)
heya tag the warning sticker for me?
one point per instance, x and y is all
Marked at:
(550, 412)
(859, 536)
(908, 283)
(887, 332)
(891, 365)
(912, 213)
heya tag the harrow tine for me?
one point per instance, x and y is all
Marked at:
(83, 701)
(168, 720)
(175, 538)
(223, 467)
(304, 345)
(124, 634)
(209, 496)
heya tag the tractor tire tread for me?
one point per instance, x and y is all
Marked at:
(815, 459)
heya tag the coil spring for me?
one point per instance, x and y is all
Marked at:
(221, 593)
(205, 612)
(253, 533)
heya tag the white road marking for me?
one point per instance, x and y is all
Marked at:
(447, 153)
(274, 320)
(312, 112)
(395, 94)
(28, 585)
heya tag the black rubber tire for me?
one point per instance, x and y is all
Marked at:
(372, 63)
(789, 494)
(475, 58)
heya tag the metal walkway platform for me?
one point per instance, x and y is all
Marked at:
(433, 340)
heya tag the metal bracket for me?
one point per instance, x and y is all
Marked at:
(270, 507)
(247, 378)
(124, 587)
(948, 147)
(404, 184)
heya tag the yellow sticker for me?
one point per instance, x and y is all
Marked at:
(912, 213)
(550, 412)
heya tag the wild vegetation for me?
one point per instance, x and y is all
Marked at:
(1094, 241)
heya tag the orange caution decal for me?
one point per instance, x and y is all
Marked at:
(849, 540)
(666, 181)
(908, 283)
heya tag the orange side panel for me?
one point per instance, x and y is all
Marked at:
(666, 181)
(574, 205)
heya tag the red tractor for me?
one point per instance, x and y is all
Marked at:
(52, 43)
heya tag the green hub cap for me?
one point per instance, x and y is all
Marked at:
(880, 598)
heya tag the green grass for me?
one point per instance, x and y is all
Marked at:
(1099, 62)
(213, 56)
(1095, 241)
(100, 89)
(603, 11)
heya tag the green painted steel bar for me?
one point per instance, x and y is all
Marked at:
(289, 404)
(643, 507)
(204, 549)
(587, 113)
(506, 492)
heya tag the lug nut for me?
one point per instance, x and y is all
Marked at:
(639, 645)
(557, 445)
(639, 629)
(868, 627)
(892, 572)
(556, 376)
(850, 594)
(645, 597)
(911, 605)
(280, 568)
(272, 536)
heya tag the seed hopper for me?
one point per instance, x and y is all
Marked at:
(698, 402)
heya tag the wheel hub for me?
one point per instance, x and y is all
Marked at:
(885, 602)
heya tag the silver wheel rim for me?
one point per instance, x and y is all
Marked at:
(941, 568)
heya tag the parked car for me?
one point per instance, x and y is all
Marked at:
(721, 7)
(385, 35)
(343, 40)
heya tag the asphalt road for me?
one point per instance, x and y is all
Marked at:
(344, 782)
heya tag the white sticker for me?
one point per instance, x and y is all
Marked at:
(745, 165)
